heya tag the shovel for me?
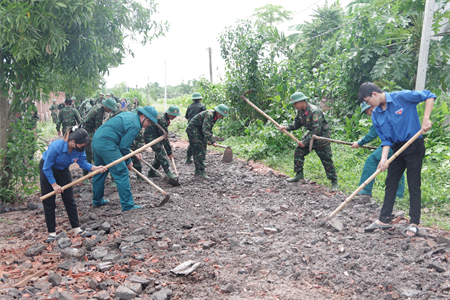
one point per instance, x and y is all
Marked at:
(169, 180)
(228, 154)
(315, 137)
(166, 198)
(378, 171)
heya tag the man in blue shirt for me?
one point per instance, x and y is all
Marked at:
(112, 141)
(396, 120)
(373, 160)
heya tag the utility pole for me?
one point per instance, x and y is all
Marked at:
(165, 85)
(424, 45)
(210, 64)
(148, 84)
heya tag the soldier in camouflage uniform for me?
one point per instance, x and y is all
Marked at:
(93, 120)
(192, 110)
(312, 118)
(152, 133)
(199, 131)
(87, 107)
(54, 111)
(100, 99)
(67, 118)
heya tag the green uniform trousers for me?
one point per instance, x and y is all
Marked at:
(119, 172)
(160, 158)
(325, 155)
(371, 166)
(198, 144)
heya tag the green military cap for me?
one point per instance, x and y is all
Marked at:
(197, 96)
(73, 98)
(112, 94)
(173, 110)
(222, 109)
(150, 112)
(110, 103)
(297, 96)
(364, 107)
(101, 93)
(54, 100)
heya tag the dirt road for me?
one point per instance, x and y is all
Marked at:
(255, 235)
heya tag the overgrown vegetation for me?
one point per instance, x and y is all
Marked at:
(328, 59)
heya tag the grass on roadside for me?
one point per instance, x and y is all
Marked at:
(47, 129)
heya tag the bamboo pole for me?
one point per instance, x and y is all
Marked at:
(315, 137)
(107, 166)
(378, 171)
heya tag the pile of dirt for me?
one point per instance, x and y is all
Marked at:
(255, 236)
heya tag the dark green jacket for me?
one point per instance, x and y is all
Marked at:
(194, 109)
(313, 120)
(203, 124)
(153, 132)
(54, 110)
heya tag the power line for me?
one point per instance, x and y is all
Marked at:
(300, 12)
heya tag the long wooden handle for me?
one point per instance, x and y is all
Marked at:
(160, 174)
(174, 166)
(340, 142)
(149, 181)
(107, 166)
(378, 171)
(222, 146)
(270, 119)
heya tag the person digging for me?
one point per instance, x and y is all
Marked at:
(199, 131)
(396, 120)
(152, 133)
(194, 109)
(371, 164)
(312, 118)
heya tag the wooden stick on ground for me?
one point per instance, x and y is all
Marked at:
(107, 166)
(378, 171)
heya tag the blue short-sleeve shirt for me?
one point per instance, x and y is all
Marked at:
(400, 121)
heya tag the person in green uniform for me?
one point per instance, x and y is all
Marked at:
(152, 133)
(54, 111)
(93, 120)
(111, 142)
(371, 164)
(87, 107)
(312, 118)
(199, 131)
(195, 108)
(100, 99)
(67, 118)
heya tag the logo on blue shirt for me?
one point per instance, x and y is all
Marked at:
(399, 112)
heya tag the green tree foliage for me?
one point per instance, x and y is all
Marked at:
(271, 15)
(65, 46)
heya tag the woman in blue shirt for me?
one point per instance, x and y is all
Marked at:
(54, 173)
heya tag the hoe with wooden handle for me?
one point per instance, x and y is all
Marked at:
(265, 115)
(315, 137)
(378, 171)
(166, 198)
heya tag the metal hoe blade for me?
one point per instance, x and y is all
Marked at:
(227, 155)
(164, 201)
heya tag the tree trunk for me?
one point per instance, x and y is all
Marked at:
(4, 124)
